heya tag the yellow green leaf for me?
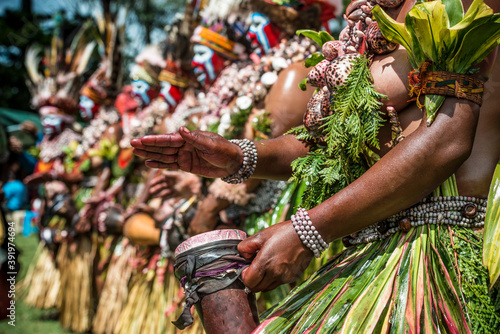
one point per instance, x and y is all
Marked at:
(427, 21)
(475, 46)
(455, 10)
(392, 30)
(491, 237)
(476, 11)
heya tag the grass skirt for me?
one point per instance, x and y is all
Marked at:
(427, 280)
(75, 261)
(115, 291)
(41, 286)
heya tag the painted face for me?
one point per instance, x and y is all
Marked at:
(206, 63)
(143, 91)
(171, 94)
(88, 108)
(262, 34)
(126, 103)
(52, 125)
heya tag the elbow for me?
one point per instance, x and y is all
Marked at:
(457, 151)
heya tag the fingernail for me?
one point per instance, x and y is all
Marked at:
(243, 273)
(247, 255)
(184, 129)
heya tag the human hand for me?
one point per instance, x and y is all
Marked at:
(84, 223)
(168, 184)
(198, 152)
(15, 145)
(280, 257)
(38, 178)
(30, 127)
(203, 222)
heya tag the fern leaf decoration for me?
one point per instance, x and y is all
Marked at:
(345, 152)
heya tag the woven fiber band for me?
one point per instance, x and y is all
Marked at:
(445, 83)
(92, 94)
(217, 43)
(174, 79)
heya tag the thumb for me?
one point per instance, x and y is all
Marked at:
(249, 247)
(197, 139)
(190, 137)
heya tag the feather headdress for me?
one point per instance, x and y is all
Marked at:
(55, 80)
(107, 80)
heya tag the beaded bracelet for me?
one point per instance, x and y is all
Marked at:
(249, 162)
(308, 234)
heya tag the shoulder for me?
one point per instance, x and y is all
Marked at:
(390, 76)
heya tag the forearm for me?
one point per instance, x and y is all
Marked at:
(274, 157)
(409, 172)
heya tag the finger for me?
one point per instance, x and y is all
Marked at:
(164, 193)
(171, 173)
(253, 275)
(157, 187)
(271, 286)
(159, 164)
(196, 138)
(159, 149)
(171, 140)
(266, 284)
(156, 181)
(155, 156)
(136, 142)
(249, 247)
(158, 191)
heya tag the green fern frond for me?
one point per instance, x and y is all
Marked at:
(350, 134)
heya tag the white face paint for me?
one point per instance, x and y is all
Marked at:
(51, 125)
(204, 66)
(202, 53)
(258, 22)
(165, 92)
(140, 88)
(86, 108)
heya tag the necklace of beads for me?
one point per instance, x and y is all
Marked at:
(52, 149)
(450, 210)
(93, 132)
(143, 121)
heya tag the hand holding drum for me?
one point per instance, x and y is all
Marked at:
(209, 267)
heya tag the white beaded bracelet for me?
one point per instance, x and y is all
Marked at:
(308, 234)
(249, 162)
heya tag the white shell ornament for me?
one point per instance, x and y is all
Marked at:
(268, 78)
(279, 64)
(244, 102)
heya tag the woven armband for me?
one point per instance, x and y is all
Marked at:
(445, 83)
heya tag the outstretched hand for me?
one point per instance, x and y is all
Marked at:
(37, 178)
(280, 257)
(198, 152)
(166, 184)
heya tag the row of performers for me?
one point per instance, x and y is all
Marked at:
(109, 225)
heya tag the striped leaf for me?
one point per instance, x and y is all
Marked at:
(491, 243)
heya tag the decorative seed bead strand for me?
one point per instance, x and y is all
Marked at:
(452, 210)
(249, 162)
(308, 234)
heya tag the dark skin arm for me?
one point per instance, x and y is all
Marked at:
(429, 155)
(210, 155)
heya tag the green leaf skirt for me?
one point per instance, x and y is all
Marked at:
(429, 279)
